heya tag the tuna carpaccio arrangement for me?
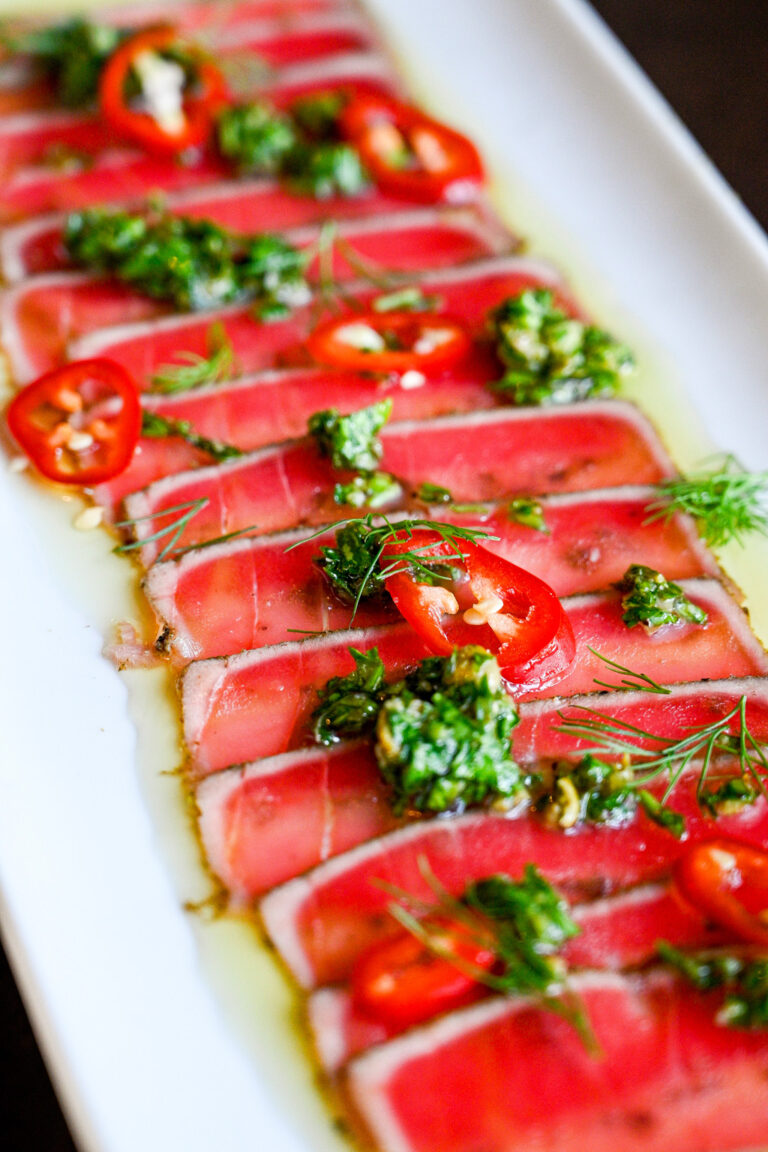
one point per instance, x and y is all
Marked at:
(475, 727)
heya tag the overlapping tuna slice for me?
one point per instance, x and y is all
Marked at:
(616, 932)
(322, 921)
(256, 43)
(484, 456)
(97, 170)
(248, 815)
(258, 703)
(466, 294)
(274, 406)
(245, 206)
(253, 592)
(41, 316)
(506, 1075)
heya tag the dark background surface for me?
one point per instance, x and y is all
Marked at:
(710, 59)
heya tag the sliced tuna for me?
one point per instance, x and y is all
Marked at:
(322, 921)
(616, 932)
(35, 245)
(258, 703)
(506, 1075)
(274, 406)
(484, 456)
(466, 293)
(63, 160)
(265, 823)
(249, 593)
(402, 241)
(264, 42)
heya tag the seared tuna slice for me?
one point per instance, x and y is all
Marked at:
(321, 922)
(41, 316)
(265, 823)
(485, 456)
(458, 235)
(249, 593)
(466, 294)
(506, 1075)
(616, 932)
(258, 703)
(101, 172)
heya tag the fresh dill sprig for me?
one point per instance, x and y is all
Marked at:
(726, 502)
(352, 565)
(655, 755)
(177, 553)
(524, 922)
(188, 510)
(195, 371)
(631, 681)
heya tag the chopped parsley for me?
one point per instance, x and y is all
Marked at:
(655, 602)
(550, 357)
(193, 264)
(368, 490)
(157, 427)
(409, 299)
(433, 494)
(441, 734)
(351, 442)
(591, 791)
(744, 978)
(302, 145)
(72, 55)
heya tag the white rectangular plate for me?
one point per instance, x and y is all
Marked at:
(163, 1031)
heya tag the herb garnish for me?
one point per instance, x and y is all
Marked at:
(441, 734)
(631, 681)
(352, 564)
(591, 791)
(302, 145)
(529, 512)
(433, 494)
(157, 427)
(743, 976)
(72, 55)
(173, 530)
(550, 357)
(351, 442)
(195, 371)
(655, 602)
(726, 502)
(193, 264)
(525, 922)
(655, 756)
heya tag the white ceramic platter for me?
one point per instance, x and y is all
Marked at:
(163, 1031)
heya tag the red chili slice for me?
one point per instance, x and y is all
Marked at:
(390, 342)
(498, 605)
(728, 882)
(78, 424)
(142, 128)
(401, 981)
(410, 154)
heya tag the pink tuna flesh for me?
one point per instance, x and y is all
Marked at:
(485, 456)
(258, 703)
(616, 932)
(466, 293)
(253, 592)
(322, 921)
(31, 313)
(507, 1075)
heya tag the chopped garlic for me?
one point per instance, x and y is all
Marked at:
(480, 612)
(568, 802)
(433, 338)
(162, 90)
(360, 336)
(412, 379)
(79, 441)
(88, 519)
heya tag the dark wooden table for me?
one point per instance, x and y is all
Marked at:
(710, 59)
